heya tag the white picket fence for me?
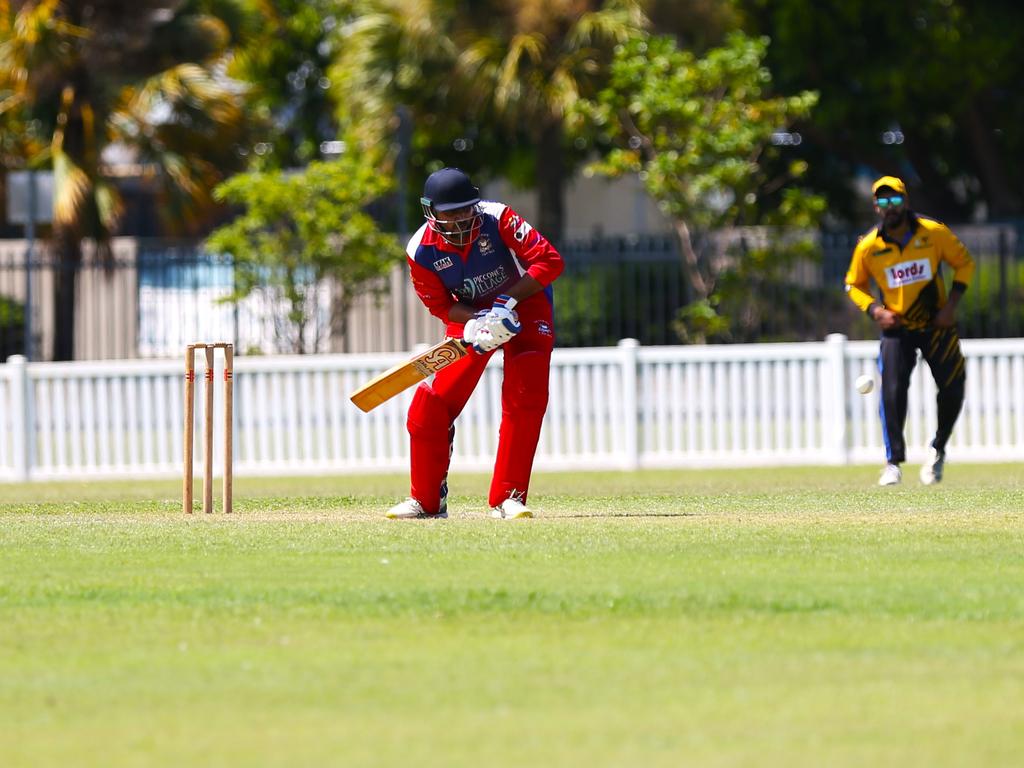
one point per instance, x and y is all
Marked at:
(623, 407)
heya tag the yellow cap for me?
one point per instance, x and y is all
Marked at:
(896, 185)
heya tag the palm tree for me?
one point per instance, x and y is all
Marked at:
(536, 59)
(86, 76)
(517, 66)
(394, 52)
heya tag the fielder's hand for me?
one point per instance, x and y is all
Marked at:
(886, 319)
(945, 317)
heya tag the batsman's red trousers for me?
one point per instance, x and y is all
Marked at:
(524, 399)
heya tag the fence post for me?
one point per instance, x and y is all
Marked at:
(836, 446)
(21, 418)
(630, 403)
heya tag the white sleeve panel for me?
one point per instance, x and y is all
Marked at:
(493, 208)
(414, 241)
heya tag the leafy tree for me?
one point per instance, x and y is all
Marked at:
(528, 63)
(696, 24)
(284, 55)
(82, 75)
(699, 133)
(510, 70)
(929, 90)
(12, 328)
(298, 230)
(755, 298)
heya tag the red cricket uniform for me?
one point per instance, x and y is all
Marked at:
(443, 275)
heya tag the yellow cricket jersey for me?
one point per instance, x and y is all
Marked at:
(909, 275)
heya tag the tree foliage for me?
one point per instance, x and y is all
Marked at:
(498, 75)
(298, 230)
(699, 133)
(86, 78)
(79, 77)
(697, 25)
(928, 90)
(283, 56)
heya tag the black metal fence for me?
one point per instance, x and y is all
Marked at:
(152, 297)
(616, 288)
(635, 287)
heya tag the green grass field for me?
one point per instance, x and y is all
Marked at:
(796, 617)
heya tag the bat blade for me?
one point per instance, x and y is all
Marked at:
(398, 379)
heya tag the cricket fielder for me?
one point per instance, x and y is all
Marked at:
(486, 273)
(904, 255)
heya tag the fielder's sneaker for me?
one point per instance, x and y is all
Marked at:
(511, 509)
(931, 471)
(410, 509)
(891, 475)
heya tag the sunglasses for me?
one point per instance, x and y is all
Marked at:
(889, 202)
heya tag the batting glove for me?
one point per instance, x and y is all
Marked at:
(476, 334)
(502, 321)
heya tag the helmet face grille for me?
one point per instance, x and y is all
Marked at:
(459, 232)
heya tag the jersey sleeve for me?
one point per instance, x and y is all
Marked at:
(955, 253)
(858, 279)
(432, 292)
(543, 262)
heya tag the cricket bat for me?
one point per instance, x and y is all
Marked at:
(401, 377)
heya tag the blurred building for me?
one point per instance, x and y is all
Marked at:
(595, 207)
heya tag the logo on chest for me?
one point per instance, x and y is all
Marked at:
(485, 246)
(908, 272)
(472, 287)
(445, 262)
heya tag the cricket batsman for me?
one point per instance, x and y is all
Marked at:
(486, 273)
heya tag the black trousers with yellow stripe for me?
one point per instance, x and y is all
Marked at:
(940, 348)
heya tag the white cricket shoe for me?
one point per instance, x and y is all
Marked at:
(891, 475)
(410, 509)
(511, 509)
(931, 470)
